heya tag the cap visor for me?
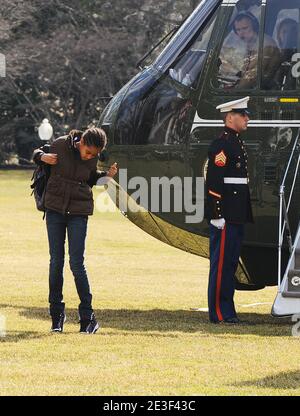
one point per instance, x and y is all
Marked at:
(243, 111)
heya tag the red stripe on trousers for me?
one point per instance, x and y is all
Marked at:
(219, 276)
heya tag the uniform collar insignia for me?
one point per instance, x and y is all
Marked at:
(231, 131)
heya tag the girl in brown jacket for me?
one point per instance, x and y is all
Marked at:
(69, 201)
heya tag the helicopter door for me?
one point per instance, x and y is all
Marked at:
(231, 74)
(256, 54)
(281, 101)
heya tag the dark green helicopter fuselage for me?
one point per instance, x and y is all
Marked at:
(162, 123)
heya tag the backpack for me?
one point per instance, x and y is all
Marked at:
(39, 182)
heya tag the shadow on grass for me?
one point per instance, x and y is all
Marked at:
(283, 381)
(168, 321)
(15, 336)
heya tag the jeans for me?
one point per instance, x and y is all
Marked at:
(76, 228)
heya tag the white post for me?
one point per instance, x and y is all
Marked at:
(45, 130)
(279, 236)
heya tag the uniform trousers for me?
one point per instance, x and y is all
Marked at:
(225, 249)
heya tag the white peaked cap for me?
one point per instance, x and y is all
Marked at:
(236, 105)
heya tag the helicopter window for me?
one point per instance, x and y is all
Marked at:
(238, 59)
(282, 23)
(188, 65)
(185, 35)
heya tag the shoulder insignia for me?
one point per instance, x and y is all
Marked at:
(220, 159)
(214, 194)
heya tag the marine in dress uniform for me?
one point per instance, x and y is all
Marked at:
(228, 209)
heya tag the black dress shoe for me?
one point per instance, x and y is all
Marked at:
(230, 321)
(234, 321)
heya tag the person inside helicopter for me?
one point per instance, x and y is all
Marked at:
(287, 39)
(245, 45)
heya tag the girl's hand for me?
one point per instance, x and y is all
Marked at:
(112, 170)
(49, 158)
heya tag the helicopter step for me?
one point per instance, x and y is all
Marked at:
(297, 259)
(287, 302)
(292, 287)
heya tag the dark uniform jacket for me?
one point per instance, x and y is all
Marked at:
(71, 179)
(227, 159)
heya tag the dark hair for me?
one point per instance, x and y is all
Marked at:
(249, 16)
(291, 41)
(91, 137)
(94, 137)
(224, 117)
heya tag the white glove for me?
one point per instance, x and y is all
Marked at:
(220, 224)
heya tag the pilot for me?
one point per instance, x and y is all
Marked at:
(228, 209)
(246, 27)
(287, 39)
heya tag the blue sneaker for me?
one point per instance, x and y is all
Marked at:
(89, 326)
(58, 322)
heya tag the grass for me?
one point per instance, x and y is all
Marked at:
(150, 342)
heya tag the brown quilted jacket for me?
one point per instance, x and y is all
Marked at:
(71, 179)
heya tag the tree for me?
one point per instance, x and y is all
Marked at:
(64, 56)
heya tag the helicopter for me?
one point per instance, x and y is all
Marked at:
(161, 124)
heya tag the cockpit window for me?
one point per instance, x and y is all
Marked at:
(185, 37)
(238, 59)
(187, 67)
(282, 25)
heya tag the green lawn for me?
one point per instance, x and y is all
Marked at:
(150, 342)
